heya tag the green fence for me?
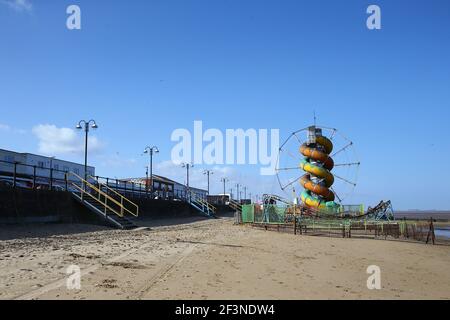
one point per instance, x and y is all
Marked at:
(248, 213)
(270, 214)
(354, 209)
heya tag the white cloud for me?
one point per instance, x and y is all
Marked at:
(9, 129)
(18, 5)
(116, 161)
(4, 127)
(56, 141)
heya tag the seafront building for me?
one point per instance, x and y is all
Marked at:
(27, 167)
(24, 165)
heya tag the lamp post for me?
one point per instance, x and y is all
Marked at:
(224, 180)
(207, 173)
(151, 151)
(79, 126)
(187, 166)
(237, 194)
(245, 193)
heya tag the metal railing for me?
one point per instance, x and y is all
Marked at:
(16, 174)
(235, 205)
(85, 188)
(203, 205)
(134, 212)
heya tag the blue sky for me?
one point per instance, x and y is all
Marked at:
(144, 69)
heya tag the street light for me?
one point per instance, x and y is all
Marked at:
(237, 193)
(224, 180)
(150, 151)
(187, 166)
(208, 172)
(79, 126)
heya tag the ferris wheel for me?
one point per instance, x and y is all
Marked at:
(319, 166)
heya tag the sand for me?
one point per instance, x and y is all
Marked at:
(213, 259)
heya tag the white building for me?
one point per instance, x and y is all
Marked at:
(27, 165)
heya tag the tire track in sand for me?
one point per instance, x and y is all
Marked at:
(163, 271)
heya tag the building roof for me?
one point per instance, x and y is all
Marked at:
(39, 155)
(162, 179)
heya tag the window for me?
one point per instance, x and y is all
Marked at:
(40, 164)
(9, 158)
(76, 170)
(56, 167)
(66, 168)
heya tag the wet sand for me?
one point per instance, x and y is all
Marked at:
(212, 259)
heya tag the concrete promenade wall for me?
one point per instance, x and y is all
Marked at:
(40, 206)
(44, 206)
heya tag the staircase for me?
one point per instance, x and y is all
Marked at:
(235, 205)
(98, 199)
(201, 205)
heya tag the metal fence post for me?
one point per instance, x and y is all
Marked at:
(15, 173)
(51, 178)
(34, 177)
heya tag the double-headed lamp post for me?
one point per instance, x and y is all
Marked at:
(86, 124)
(187, 166)
(224, 180)
(150, 151)
(237, 193)
(208, 173)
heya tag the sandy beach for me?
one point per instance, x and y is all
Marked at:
(212, 259)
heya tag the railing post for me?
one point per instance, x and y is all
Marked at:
(34, 177)
(121, 206)
(51, 178)
(15, 173)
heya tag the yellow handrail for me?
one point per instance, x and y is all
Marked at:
(100, 193)
(235, 205)
(98, 200)
(203, 202)
(121, 198)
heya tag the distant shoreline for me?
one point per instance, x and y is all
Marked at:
(420, 215)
